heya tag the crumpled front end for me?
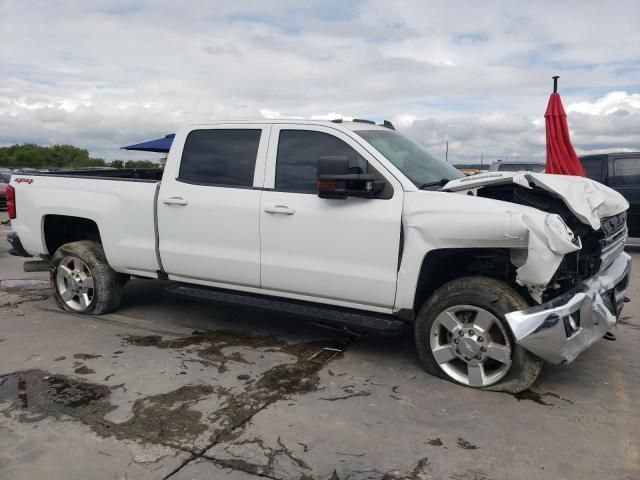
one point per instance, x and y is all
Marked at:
(549, 240)
(582, 234)
(559, 330)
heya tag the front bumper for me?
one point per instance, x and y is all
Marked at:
(559, 330)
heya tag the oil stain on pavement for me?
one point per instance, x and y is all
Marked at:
(171, 418)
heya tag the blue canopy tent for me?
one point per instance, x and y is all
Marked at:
(160, 145)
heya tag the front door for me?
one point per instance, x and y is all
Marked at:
(329, 249)
(208, 205)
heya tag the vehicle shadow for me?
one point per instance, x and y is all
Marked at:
(149, 300)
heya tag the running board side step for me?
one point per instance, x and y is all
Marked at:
(344, 317)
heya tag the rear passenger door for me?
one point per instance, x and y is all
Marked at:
(327, 249)
(208, 205)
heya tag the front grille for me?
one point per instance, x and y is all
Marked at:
(614, 224)
(615, 233)
(599, 250)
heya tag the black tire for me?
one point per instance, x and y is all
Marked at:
(108, 284)
(497, 298)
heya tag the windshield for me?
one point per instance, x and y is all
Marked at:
(409, 157)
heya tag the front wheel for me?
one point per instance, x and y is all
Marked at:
(462, 335)
(83, 280)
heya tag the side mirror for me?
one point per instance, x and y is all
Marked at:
(335, 181)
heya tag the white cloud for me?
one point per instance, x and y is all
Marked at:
(101, 75)
(609, 123)
(270, 114)
(403, 120)
(330, 116)
(611, 103)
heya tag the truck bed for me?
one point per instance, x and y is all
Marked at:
(120, 202)
(127, 174)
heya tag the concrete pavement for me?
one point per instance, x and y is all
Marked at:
(173, 388)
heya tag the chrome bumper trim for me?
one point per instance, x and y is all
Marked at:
(559, 330)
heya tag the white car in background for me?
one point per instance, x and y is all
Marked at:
(505, 166)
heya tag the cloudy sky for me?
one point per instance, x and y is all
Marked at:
(102, 74)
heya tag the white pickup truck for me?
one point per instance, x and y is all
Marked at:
(350, 223)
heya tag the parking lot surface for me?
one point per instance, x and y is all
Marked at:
(168, 387)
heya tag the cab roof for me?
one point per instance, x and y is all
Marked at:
(355, 124)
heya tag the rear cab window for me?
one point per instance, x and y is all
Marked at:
(220, 157)
(626, 172)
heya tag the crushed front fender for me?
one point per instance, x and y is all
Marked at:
(549, 240)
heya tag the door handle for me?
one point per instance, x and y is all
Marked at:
(282, 209)
(175, 201)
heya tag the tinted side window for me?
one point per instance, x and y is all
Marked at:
(627, 171)
(593, 168)
(297, 161)
(220, 157)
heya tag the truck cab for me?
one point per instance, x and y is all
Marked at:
(239, 205)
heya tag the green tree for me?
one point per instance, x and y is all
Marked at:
(140, 164)
(117, 164)
(30, 155)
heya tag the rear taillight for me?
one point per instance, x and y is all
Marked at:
(11, 202)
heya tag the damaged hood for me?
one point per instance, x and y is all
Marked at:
(589, 201)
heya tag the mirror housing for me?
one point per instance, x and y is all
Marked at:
(335, 181)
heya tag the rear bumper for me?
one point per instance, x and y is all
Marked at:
(559, 330)
(16, 245)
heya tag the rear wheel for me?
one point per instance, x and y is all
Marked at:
(462, 335)
(83, 280)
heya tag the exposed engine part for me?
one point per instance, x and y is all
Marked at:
(598, 247)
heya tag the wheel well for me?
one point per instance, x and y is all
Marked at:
(444, 265)
(61, 229)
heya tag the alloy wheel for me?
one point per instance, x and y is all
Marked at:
(470, 345)
(75, 283)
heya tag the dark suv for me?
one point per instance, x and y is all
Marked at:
(620, 171)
